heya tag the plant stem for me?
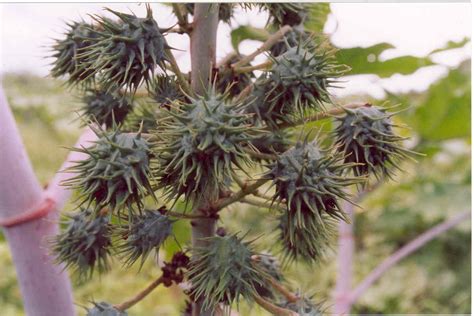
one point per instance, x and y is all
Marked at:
(249, 189)
(182, 19)
(406, 250)
(283, 291)
(345, 260)
(323, 115)
(272, 40)
(44, 285)
(259, 155)
(272, 308)
(203, 59)
(140, 296)
(181, 78)
(261, 66)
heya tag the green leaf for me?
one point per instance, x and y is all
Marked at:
(246, 32)
(446, 111)
(317, 17)
(451, 45)
(367, 61)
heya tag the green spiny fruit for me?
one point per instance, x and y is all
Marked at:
(165, 89)
(294, 38)
(304, 307)
(225, 11)
(298, 82)
(310, 184)
(310, 242)
(365, 135)
(67, 62)
(143, 117)
(200, 143)
(281, 13)
(105, 309)
(144, 233)
(105, 108)
(116, 172)
(85, 243)
(224, 270)
(302, 77)
(271, 266)
(125, 52)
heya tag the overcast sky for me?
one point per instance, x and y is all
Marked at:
(27, 29)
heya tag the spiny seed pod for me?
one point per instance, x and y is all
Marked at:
(310, 242)
(116, 172)
(304, 307)
(365, 135)
(310, 182)
(65, 51)
(271, 266)
(105, 309)
(224, 270)
(200, 144)
(302, 78)
(281, 13)
(292, 39)
(164, 90)
(85, 243)
(143, 117)
(105, 108)
(225, 11)
(126, 52)
(144, 233)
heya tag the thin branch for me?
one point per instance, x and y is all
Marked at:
(244, 93)
(261, 66)
(323, 115)
(185, 216)
(257, 203)
(406, 250)
(140, 296)
(272, 40)
(182, 19)
(181, 78)
(272, 308)
(248, 189)
(226, 60)
(282, 290)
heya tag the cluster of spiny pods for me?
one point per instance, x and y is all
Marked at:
(180, 146)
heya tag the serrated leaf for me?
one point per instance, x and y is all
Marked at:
(317, 16)
(452, 45)
(446, 111)
(367, 61)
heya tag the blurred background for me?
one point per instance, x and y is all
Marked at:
(415, 55)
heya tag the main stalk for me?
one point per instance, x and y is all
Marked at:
(203, 59)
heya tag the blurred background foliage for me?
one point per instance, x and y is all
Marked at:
(436, 279)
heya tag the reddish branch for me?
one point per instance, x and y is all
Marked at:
(406, 250)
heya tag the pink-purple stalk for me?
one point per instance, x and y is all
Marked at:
(45, 286)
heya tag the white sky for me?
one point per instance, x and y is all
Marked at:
(413, 28)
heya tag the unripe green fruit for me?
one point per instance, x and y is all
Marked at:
(79, 36)
(304, 307)
(144, 233)
(125, 52)
(116, 172)
(200, 144)
(106, 108)
(223, 270)
(85, 243)
(365, 136)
